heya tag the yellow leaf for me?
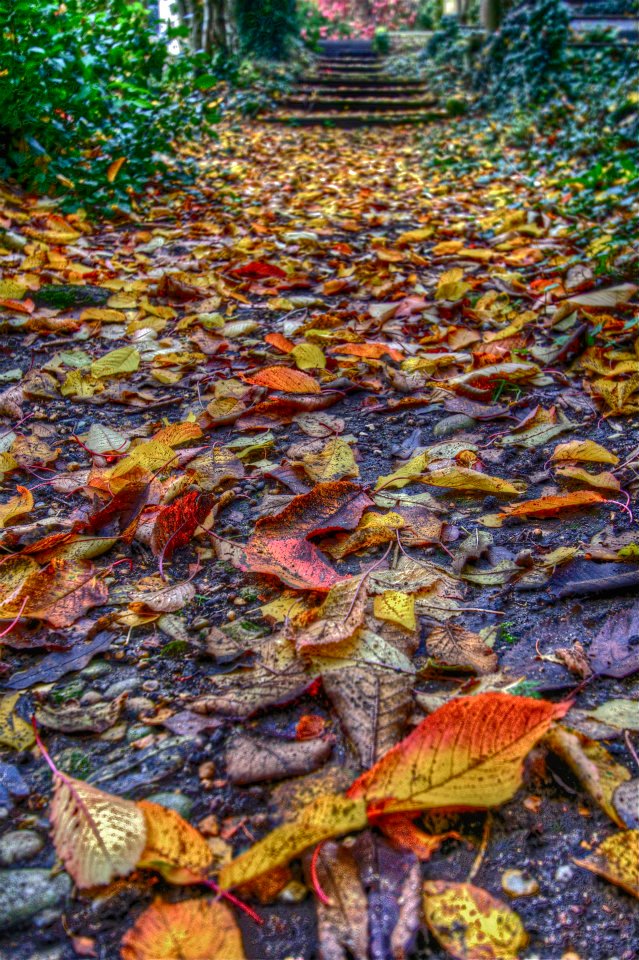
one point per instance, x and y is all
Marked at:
(114, 168)
(471, 481)
(188, 930)
(337, 618)
(98, 836)
(329, 816)
(599, 773)
(586, 450)
(14, 731)
(151, 456)
(334, 461)
(415, 236)
(16, 507)
(122, 360)
(373, 529)
(470, 923)
(617, 860)
(308, 356)
(396, 607)
(404, 474)
(77, 384)
(601, 481)
(173, 847)
(104, 314)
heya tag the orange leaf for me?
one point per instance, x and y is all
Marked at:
(403, 833)
(189, 930)
(114, 168)
(549, 506)
(280, 342)
(173, 847)
(372, 350)
(284, 379)
(466, 755)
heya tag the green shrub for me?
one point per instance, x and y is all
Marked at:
(86, 84)
(381, 41)
(523, 60)
(266, 27)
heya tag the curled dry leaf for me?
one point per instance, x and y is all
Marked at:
(471, 924)
(255, 759)
(98, 836)
(175, 525)
(342, 924)
(617, 859)
(173, 847)
(188, 930)
(337, 618)
(593, 766)
(76, 717)
(455, 646)
(405, 834)
(471, 481)
(549, 506)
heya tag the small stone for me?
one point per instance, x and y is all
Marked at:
(137, 731)
(150, 686)
(564, 873)
(173, 801)
(121, 686)
(293, 892)
(99, 668)
(91, 696)
(19, 845)
(518, 884)
(200, 623)
(140, 705)
(26, 893)
(455, 424)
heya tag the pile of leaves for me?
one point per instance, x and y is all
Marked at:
(330, 457)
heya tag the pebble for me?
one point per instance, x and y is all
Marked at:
(91, 696)
(454, 424)
(11, 784)
(19, 845)
(140, 704)
(564, 873)
(137, 731)
(121, 686)
(173, 801)
(99, 668)
(25, 893)
(518, 884)
(293, 892)
(149, 686)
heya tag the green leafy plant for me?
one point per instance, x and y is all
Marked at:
(91, 99)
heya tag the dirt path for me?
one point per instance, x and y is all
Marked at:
(423, 316)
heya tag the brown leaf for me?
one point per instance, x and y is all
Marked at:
(455, 646)
(254, 759)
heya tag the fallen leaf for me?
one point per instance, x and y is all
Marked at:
(466, 755)
(285, 380)
(173, 847)
(470, 923)
(455, 646)
(617, 860)
(187, 930)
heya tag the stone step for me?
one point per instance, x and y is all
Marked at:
(348, 105)
(337, 61)
(381, 92)
(350, 121)
(361, 83)
(347, 48)
(345, 68)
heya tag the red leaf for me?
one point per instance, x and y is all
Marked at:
(257, 269)
(176, 524)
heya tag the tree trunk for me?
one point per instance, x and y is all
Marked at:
(490, 14)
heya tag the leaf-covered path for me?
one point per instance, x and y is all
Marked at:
(306, 459)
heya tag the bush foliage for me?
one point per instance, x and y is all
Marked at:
(91, 100)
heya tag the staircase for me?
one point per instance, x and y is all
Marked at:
(349, 88)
